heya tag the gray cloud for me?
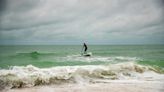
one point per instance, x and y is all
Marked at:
(75, 21)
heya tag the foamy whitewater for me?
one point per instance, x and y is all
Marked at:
(28, 76)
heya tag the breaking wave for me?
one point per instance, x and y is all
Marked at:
(28, 76)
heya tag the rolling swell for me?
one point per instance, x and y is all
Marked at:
(28, 76)
(44, 60)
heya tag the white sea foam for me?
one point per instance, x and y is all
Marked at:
(27, 76)
(99, 58)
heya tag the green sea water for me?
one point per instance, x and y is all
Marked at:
(32, 65)
(69, 55)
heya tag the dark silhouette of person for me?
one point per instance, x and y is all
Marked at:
(85, 48)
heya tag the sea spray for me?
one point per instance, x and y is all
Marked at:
(28, 76)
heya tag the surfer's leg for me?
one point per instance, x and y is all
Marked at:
(85, 51)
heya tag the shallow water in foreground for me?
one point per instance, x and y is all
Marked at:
(28, 66)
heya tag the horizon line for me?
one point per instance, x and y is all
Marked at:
(81, 44)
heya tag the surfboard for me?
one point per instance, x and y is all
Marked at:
(87, 54)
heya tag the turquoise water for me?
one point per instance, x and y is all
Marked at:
(32, 65)
(69, 55)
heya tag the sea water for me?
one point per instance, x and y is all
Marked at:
(31, 65)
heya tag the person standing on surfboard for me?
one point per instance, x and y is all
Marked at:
(85, 48)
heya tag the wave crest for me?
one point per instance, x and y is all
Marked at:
(27, 76)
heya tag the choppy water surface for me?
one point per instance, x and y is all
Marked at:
(24, 66)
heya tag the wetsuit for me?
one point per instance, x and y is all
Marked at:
(85, 48)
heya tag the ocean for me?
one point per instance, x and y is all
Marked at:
(32, 65)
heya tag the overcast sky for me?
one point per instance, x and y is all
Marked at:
(78, 21)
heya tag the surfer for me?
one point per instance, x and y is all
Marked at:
(85, 48)
(84, 51)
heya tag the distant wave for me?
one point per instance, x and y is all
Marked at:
(34, 54)
(100, 58)
(28, 76)
(78, 57)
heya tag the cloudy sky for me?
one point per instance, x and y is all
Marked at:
(78, 21)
